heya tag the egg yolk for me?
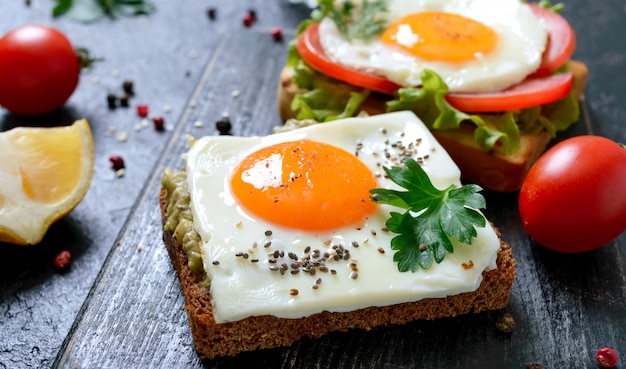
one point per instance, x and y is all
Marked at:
(305, 185)
(440, 36)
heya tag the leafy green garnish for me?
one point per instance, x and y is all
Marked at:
(432, 216)
(91, 10)
(546, 4)
(362, 22)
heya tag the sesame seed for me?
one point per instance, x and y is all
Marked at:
(273, 268)
(254, 260)
(276, 254)
(318, 281)
(315, 286)
(422, 247)
(333, 271)
(239, 254)
(381, 250)
(267, 244)
(355, 244)
(373, 232)
(293, 292)
(216, 262)
(307, 249)
(295, 271)
(245, 255)
(268, 232)
(354, 275)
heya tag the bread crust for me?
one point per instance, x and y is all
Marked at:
(261, 332)
(490, 169)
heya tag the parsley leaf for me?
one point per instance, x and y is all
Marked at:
(91, 10)
(354, 22)
(433, 216)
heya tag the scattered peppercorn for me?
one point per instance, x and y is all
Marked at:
(277, 33)
(252, 14)
(117, 162)
(124, 100)
(607, 357)
(112, 101)
(159, 123)
(62, 259)
(211, 12)
(142, 110)
(534, 365)
(223, 126)
(505, 323)
(128, 87)
(248, 20)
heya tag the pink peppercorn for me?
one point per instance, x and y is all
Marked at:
(63, 259)
(607, 357)
(142, 110)
(248, 20)
(117, 162)
(277, 33)
(159, 123)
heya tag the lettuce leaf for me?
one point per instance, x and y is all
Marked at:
(325, 99)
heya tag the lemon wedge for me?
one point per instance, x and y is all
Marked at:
(44, 174)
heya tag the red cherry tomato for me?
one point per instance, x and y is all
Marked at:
(539, 90)
(39, 70)
(574, 197)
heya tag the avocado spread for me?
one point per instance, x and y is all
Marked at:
(180, 219)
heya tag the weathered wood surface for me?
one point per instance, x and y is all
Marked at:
(120, 304)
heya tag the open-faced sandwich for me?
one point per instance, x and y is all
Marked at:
(350, 224)
(492, 79)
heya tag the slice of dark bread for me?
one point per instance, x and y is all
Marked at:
(261, 332)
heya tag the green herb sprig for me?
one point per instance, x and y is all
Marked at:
(431, 218)
(91, 10)
(356, 23)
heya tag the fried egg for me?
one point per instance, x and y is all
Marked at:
(288, 229)
(474, 45)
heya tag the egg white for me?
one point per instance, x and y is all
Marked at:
(522, 40)
(241, 288)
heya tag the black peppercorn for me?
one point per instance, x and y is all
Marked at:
(127, 86)
(223, 126)
(111, 101)
(211, 12)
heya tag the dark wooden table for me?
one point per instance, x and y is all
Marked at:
(120, 306)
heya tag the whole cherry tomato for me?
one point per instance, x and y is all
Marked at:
(574, 197)
(39, 70)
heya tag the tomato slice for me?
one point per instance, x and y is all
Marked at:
(561, 41)
(311, 51)
(530, 92)
(539, 89)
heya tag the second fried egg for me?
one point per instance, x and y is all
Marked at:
(474, 45)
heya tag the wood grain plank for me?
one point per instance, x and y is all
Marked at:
(565, 306)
